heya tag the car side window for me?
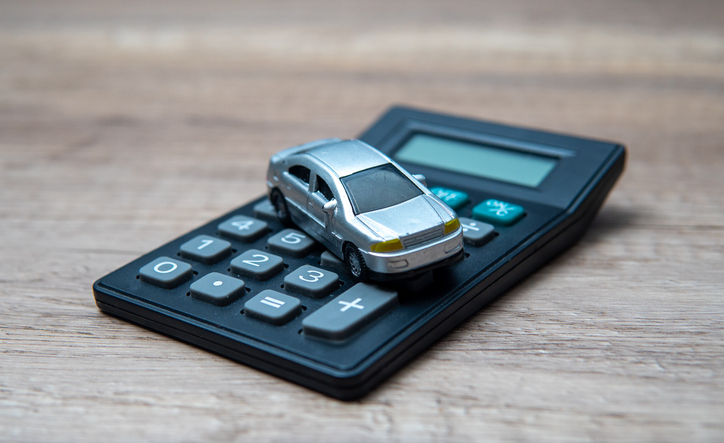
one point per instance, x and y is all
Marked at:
(323, 188)
(300, 172)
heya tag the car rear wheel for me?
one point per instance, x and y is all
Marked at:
(355, 263)
(280, 206)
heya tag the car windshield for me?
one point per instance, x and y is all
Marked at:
(378, 188)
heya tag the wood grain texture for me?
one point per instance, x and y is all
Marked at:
(125, 125)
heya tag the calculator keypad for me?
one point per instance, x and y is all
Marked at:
(165, 272)
(216, 288)
(312, 282)
(205, 249)
(257, 264)
(243, 228)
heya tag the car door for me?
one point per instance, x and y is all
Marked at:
(296, 190)
(322, 221)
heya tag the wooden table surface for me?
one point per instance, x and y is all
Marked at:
(126, 124)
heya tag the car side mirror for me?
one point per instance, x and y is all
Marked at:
(420, 178)
(330, 206)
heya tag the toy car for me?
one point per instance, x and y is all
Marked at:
(375, 216)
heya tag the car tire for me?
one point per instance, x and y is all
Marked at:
(355, 263)
(280, 206)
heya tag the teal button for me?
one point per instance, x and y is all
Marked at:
(498, 212)
(453, 198)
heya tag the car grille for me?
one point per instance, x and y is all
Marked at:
(422, 236)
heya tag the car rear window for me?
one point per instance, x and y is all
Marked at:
(378, 187)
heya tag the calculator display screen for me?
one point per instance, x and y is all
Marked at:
(507, 165)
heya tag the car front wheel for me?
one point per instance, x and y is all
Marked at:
(280, 206)
(355, 263)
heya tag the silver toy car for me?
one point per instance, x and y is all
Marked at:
(379, 219)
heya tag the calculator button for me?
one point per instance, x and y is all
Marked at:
(476, 233)
(291, 242)
(346, 314)
(310, 281)
(257, 264)
(498, 212)
(329, 260)
(265, 210)
(243, 228)
(218, 289)
(206, 249)
(165, 272)
(451, 197)
(273, 307)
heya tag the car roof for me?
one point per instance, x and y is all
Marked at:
(348, 156)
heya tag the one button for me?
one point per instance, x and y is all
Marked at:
(257, 264)
(291, 242)
(331, 261)
(218, 289)
(273, 307)
(346, 314)
(476, 233)
(265, 210)
(453, 198)
(312, 282)
(498, 212)
(165, 272)
(243, 228)
(206, 249)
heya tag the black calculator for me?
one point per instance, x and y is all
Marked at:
(252, 289)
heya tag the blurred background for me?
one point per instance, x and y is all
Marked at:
(126, 124)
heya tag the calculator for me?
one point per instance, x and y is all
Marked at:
(265, 294)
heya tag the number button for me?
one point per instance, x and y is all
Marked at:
(291, 242)
(257, 264)
(265, 210)
(243, 228)
(273, 307)
(165, 272)
(206, 249)
(476, 233)
(348, 313)
(218, 289)
(312, 282)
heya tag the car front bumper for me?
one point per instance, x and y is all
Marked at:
(409, 262)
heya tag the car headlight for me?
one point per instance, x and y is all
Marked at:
(452, 226)
(387, 246)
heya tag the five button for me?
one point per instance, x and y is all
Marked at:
(291, 242)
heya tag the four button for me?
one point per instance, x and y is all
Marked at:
(243, 228)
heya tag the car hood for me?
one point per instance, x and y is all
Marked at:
(412, 216)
